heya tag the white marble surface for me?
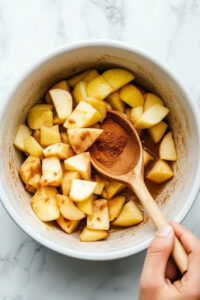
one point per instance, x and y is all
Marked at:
(170, 30)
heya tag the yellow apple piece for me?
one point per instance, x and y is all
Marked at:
(130, 215)
(99, 219)
(115, 102)
(99, 88)
(36, 135)
(60, 150)
(62, 101)
(44, 204)
(136, 113)
(40, 115)
(151, 99)
(147, 157)
(64, 137)
(113, 188)
(157, 131)
(23, 132)
(152, 116)
(67, 225)
(82, 138)
(75, 79)
(160, 172)
(51, 171)
(131, 95)
(91, 235)
(99, 188)
(81, 190)
(92, 74)
(80, 163)
(35, 180)
(128, 113)
(86, 206)
(68, 176)
(108, 106)
(84, 115)
(32, 147)
(115, 206)
(29, 168)
(68, 209)
(167, 150)
(99, 105)
(79, 92)
(117, 78)
(60, 85)
(49, 135)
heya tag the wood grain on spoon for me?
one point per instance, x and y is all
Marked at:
(118, 154)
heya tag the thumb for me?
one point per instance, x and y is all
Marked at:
(158, 254)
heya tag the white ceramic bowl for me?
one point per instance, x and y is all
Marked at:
(66, 61)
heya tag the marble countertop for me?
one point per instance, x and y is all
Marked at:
(170, 30)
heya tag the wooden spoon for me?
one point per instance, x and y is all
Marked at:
(128, 168)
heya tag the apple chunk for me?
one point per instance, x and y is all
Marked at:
(75, 79)
(82, 138)
(160, 172)
(167, 148)
(152, 116)
(80, 163)
(79, 92)
(23, 132)
(99, 105)
(84, 115)
(29, 168)
(91, 235)
(32, 147)
(81, 190)
(99, 88)
(147, 157)
(49, 136)
(60, 85)
(157, 131)
(131, 95)
(40, 115)
(130, 215)
(113, 188)
(67, 225)
(117, 77)
(99, 219)
(115, 102)
(92, 74)
(115, 206)
(68, 209)
(136, 114)
(67, 180)
(60, 150)
(44, 204)
(86, 206)
(51, 172)
(62, 101)
(151, 99)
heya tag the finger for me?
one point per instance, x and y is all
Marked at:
(172, 271)
(157, 257)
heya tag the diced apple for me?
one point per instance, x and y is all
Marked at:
(136, 113)
(86, 206)
(23, 132)
(67, 225)
(152, 116)
(130, 215)
(167, 150)
(44, 204)
(75, 79)
(49, 136)
(82, 138)
(160, 172)
(68, 209)
(35, 180)
(79, 92)
(147, 157)
(157, 131)
(115, 206)
(29, 168)
(84, 115)
(99, 88)
(29, 188)
(92, 74)
(131, 95)
(64, 137)
(60, 85)
(118, 77)
(99, 105)
(67, 180)
(99, 188)
(80, 163)
(51, 172)
(113, 188)
(32, 147)
(99, 219)
(81, 190)
(60, 150)
(104, 194)
(40, 115)
(128, 113)
(151, 99)
(91, 235)
(108, 106)
(62, 101)
(36, 135)
(115, 102)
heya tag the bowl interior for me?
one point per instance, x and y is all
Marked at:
(173, 199)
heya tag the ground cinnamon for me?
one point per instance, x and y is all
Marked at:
(111, 143)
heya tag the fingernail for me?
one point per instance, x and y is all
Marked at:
(165, 231)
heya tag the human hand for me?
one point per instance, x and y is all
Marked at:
(159, 275)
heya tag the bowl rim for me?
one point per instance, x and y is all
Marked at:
(115, 253)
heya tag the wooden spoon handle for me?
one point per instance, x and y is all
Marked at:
(159, 220)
